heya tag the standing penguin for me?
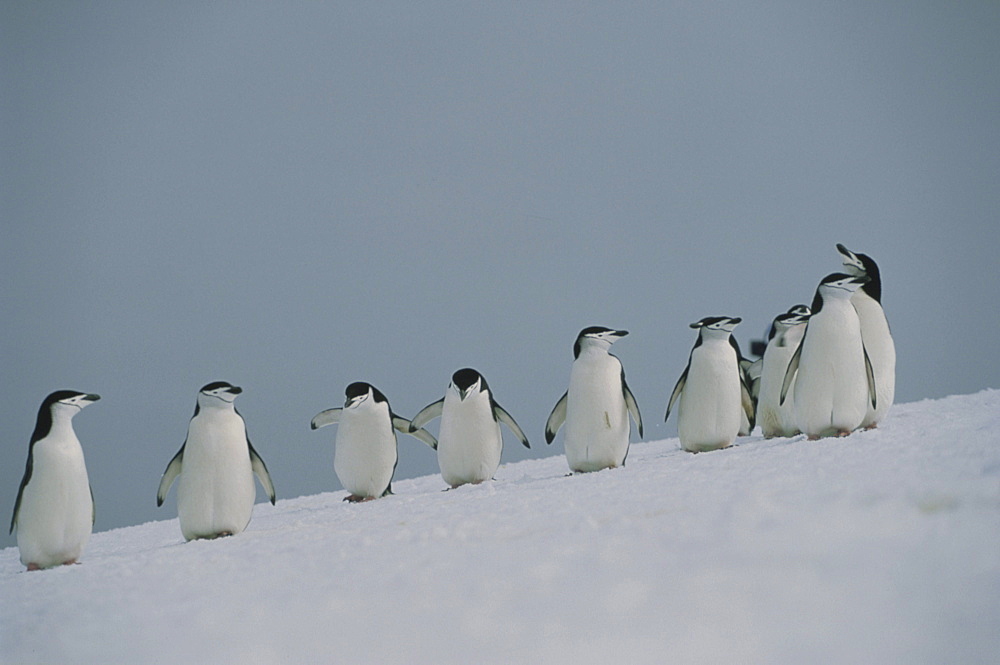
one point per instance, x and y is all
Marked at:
(54, 511)
(216, 465)
(365, 454)
(875, 332)
(777, 419)
(714, 399)
(596, 406)
(469, 441)
(833, 376)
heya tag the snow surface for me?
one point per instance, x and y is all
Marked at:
(883, 547)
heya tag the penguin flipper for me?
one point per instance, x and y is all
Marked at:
(870, 374)
(93, 507)
(427, 414)
(556, 418)
(260, 470)
(20, 492)
(678, 389)
(403, 425)
(793, 367)
(748, 404)
(172, 471)
(508, 420)
(633, 406)
(324, 418)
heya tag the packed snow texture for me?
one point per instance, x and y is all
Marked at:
(882, 547)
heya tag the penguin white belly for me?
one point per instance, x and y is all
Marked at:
(597, 426)
(710, 406)
(469, 444)
(831, 387)
(57, 511)
(881, 352)
(364, 456)
(777, 419)
(215, 492)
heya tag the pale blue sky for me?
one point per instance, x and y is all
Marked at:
(295, 196)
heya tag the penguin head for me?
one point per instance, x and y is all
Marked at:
(359, 393)
(467, 381)
(801, 310)
(596, 336)
(840, 284)
(854, 264)
(862, 265)
(789, 320)
(213, 393)
(717, 324)
(70, 402)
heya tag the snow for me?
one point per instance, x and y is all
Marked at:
(883, 547)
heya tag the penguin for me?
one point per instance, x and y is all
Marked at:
(875, 332)
(786, 332)
(469, 441)
(714, 398)
(596, 406)
(749, 374)
(54, 510)
(216, 465)
(365, 456)
(834, 382)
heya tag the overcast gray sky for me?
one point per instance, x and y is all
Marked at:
(295, 196)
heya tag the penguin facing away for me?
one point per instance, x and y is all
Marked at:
(216, 466)
(834, 381)
(778, 419)
(596, 406)
(54, 510)
(875, 332)
(365, 453)
(712, 396)
(469, 440)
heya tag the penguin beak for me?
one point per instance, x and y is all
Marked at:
(620, 333)
(862, 279)
(91, 397)
(695, 325)
(736, 321)
(235, 390)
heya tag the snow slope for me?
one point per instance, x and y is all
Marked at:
(883, 547)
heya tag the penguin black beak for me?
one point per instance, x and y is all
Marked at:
(91, 397)
(695, 325)
(862, 279)
(736, 321)
(235, 390)
(843, 250)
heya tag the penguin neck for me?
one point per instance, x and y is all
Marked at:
(62, 422)
(714, 336)
(214, 404)
(595, 347)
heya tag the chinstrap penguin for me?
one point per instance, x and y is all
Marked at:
(596, 407)
(469, 439)
(365, 453)
(714, 401)
(54, 510)
(875, 332)
(216, 465)
(774, 418)
(834, 383)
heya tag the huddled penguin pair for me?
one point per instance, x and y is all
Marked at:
(844, 368)
(468, 447)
